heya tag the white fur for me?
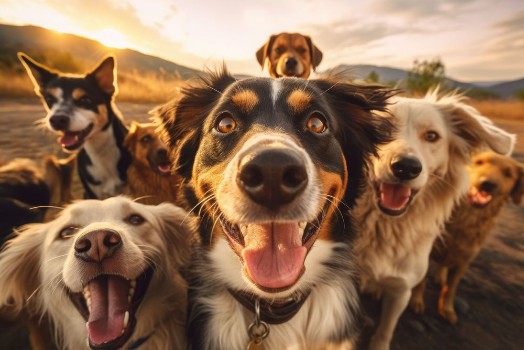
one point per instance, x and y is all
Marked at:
(276, 87)
(393, 251)
(162, 239)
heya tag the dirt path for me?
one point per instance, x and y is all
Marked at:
(490, 297)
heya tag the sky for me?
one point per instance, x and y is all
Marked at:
(477, 40)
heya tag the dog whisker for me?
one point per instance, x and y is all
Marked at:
(56, 257)
(331, 87)
(46, 206)
(143, 197)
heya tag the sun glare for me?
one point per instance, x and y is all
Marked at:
(112, 38)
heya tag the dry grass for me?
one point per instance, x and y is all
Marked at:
(500, 109)
(132, 86)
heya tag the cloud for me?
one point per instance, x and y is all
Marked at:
(418, 9)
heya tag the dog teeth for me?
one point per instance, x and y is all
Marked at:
(243, 229)
(126, 319)
(302, 224)
(87, 297)
(132, 283)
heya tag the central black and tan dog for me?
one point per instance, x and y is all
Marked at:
(81, 111)
(271, 167)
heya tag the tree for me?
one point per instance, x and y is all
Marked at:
(372, 77)
(426, 75)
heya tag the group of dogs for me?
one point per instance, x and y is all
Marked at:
(256, 210)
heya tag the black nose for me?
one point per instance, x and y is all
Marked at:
(488, 186)
(96, 246)
(291, 63)
(272, 178)
(406, 167)
(161, 153)
(59, 122)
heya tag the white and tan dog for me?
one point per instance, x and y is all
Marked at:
(106, 272)
(412, 188)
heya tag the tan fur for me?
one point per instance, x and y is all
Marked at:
(299, 101)
(58, 175)
(142, 181)
(468, 228)
(37, 268)
(393, 251)
(78, 93)
(283, 46)
(245, 100)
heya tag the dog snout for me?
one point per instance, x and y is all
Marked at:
(406, 167)
(96, 246)
(291, 63)
(272, 178)
(487, 186)
(161, 153)
(59, 122)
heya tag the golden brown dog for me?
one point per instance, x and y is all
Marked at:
(289, 55)
(149, 175)
(495, 180)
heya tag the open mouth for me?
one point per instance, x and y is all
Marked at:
(273, 253)
(161, 166)
(72, 140)
(479, 198)
(109, 303)
(394, 199)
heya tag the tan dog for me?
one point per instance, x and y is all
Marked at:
(149, 175)
(495, 180)
(289, 55)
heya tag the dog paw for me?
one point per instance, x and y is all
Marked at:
(418, 306)
(449, 315)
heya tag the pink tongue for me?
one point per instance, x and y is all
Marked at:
(273, 254)
(479, 197)
(164, 168)
(68, 139)
(394, 196)
(108, 307)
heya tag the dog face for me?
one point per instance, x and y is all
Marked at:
(76, 105)
(430, 133)
(289, 55)
(269, 163)
(494, 178)
(108, 263)
(147, 148)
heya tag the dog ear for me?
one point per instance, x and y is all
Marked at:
(181, 120)
(473, 129)
(130, 139)
(518, 189)
(316, 54)
(19, 266)
(40, 75)
(264, 51)
(105, 75)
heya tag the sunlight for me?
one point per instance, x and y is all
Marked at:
(111, 38)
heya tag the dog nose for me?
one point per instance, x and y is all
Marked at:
(161, 153)
(272, 178)
(59, 122)
(487, 186)
(98, 245)
(291, 63)
(406, 167)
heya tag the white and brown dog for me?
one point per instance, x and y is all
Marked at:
(289, 55)
(106, 273)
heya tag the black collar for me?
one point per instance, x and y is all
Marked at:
(134, 345)
(272, 312)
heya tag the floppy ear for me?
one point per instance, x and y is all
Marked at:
(264, 51)
(105, 75)
(40, 75)
(19, 266)
(474, 130)
(316, 54)
(181, 120)
(179, 231)
(518, 189)
(130, 139)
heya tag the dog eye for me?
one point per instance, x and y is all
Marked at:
(85, 100)
(479, 162)
(316, 123)
(507, 172)
(278, 50)
(226, 124)
(68, 232)
(135, 219)
(301, 50)
(50, 100)
(145, 139)
(431, 136)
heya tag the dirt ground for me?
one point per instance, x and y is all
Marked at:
(490, 302)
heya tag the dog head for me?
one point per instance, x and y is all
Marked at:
(147, 148)
(111, 263)
(77, 105)
(495, 178)
(289, 55)
(272, 165)
(433, 135)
